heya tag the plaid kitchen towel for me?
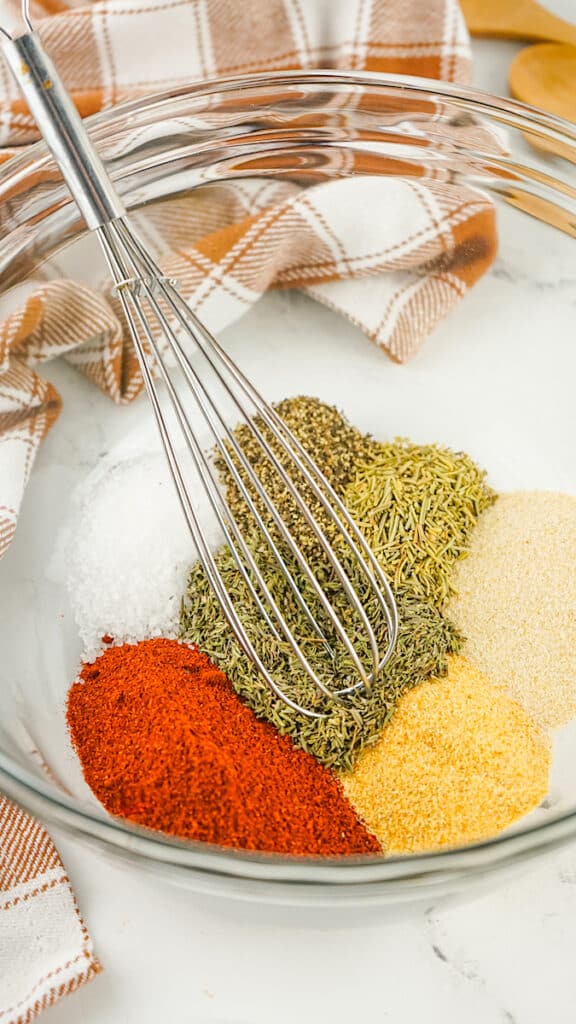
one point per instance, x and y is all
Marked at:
(114, 50)
(395, 276)
(45, 950)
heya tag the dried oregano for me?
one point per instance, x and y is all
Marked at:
(425, 638)
(335, 445)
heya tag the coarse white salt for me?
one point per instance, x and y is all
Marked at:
(516, 601)
(129, 550)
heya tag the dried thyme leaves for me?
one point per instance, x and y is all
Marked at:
(417, 506)
(425, 639)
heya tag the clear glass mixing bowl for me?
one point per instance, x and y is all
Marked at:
(495, 378)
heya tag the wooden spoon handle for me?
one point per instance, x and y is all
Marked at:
(522, 19)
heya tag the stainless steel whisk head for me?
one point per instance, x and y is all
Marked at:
(161, 322)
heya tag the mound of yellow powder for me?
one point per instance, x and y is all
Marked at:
(458, 762)
(516, 601)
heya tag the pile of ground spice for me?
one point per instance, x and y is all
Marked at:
(516, 601)
(458, 762)
(425, 637)
(164, 741)
(417, 506)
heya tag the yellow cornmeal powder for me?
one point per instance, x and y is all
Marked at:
(458, 762)
(516, 601)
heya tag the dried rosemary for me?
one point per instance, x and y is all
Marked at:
(417, 506)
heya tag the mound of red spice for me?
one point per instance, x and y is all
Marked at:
(165, 742)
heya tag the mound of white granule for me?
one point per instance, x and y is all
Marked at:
(128, 551)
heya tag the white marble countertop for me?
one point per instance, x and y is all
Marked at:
(173, 956)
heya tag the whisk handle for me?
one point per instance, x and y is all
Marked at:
(62, 129)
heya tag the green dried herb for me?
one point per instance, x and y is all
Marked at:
(335, 445)
(425, 639)
(417, 506)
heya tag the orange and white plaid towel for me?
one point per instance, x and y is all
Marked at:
(394, 276)
(45, 950)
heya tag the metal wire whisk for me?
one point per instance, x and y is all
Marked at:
(160, 321)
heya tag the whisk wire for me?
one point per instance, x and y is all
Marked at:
(306, 466)
(385, 602)
(136, 317)
(311, 520)
(387, 606)
(195, 385)
(203, 399)
(204, 553)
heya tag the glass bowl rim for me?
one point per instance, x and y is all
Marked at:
(515, 113)
(59, 808)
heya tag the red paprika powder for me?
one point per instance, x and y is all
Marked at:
(164, 741)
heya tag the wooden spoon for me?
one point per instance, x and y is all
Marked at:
(516, 19)
(545, 77)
